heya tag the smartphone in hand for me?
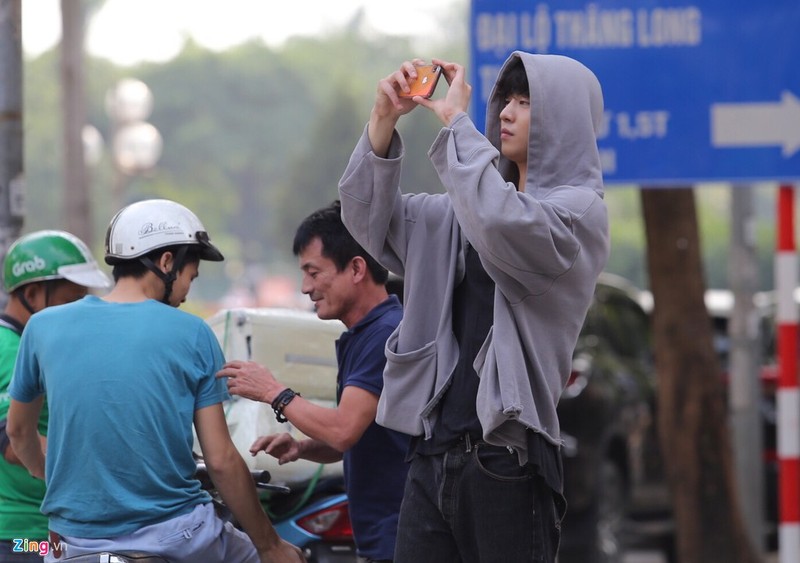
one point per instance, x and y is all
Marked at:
(425, 84)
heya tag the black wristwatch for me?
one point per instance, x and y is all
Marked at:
(284, 398)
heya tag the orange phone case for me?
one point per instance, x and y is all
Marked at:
(425, 84)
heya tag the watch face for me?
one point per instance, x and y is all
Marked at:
(284, 398)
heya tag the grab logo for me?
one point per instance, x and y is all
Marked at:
(31, 266)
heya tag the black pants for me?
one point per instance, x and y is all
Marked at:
(476, 504)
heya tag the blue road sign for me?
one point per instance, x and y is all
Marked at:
(694, 91)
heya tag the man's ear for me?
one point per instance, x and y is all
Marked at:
(165, 262)
(359, 268)
(32, 292)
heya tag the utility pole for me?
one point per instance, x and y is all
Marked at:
(12, 189)
(744, 390)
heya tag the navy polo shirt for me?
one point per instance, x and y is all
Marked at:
(375, 468)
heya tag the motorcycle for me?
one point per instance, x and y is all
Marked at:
(314, 518)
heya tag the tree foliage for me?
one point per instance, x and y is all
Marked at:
(255, 138)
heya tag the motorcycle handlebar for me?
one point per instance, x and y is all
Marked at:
(261, 478)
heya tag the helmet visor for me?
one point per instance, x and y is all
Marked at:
(87, 275)
(209, 251)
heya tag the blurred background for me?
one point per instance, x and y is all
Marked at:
(253, 109)
(247, 111)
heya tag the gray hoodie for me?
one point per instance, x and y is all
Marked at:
(544, 248)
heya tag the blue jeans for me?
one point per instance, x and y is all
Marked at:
(477, 504)
(197, 536)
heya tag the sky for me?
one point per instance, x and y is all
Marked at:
(132, 31)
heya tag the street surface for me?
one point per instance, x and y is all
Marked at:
(644, 557)
(656, 557)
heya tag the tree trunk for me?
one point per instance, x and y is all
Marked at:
(692, 417)
(77, 204)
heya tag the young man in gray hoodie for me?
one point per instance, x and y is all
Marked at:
(499, 273)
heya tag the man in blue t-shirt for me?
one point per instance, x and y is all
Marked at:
(345, 283)
(126, 376)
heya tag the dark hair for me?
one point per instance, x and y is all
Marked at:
(337, 242)
(134, 268)
(514, 80)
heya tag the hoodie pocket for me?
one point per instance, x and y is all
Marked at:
(480, 357)
(408, 382)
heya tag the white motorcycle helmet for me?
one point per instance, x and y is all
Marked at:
(144, 226)
(147, 225)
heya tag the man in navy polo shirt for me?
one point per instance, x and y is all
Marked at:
(345, 283)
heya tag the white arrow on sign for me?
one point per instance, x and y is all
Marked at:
(758, 124)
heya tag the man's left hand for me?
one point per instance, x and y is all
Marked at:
(251, 380)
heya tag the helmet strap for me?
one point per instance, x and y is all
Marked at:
(167, 277)
(44, 285)
(25, 302)
(48, 291)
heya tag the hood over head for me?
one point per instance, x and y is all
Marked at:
(566, 115)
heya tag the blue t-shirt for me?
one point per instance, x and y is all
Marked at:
(375, 468)
(123, 381)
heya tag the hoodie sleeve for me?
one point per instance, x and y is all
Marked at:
(525, 240)
(375, 212)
